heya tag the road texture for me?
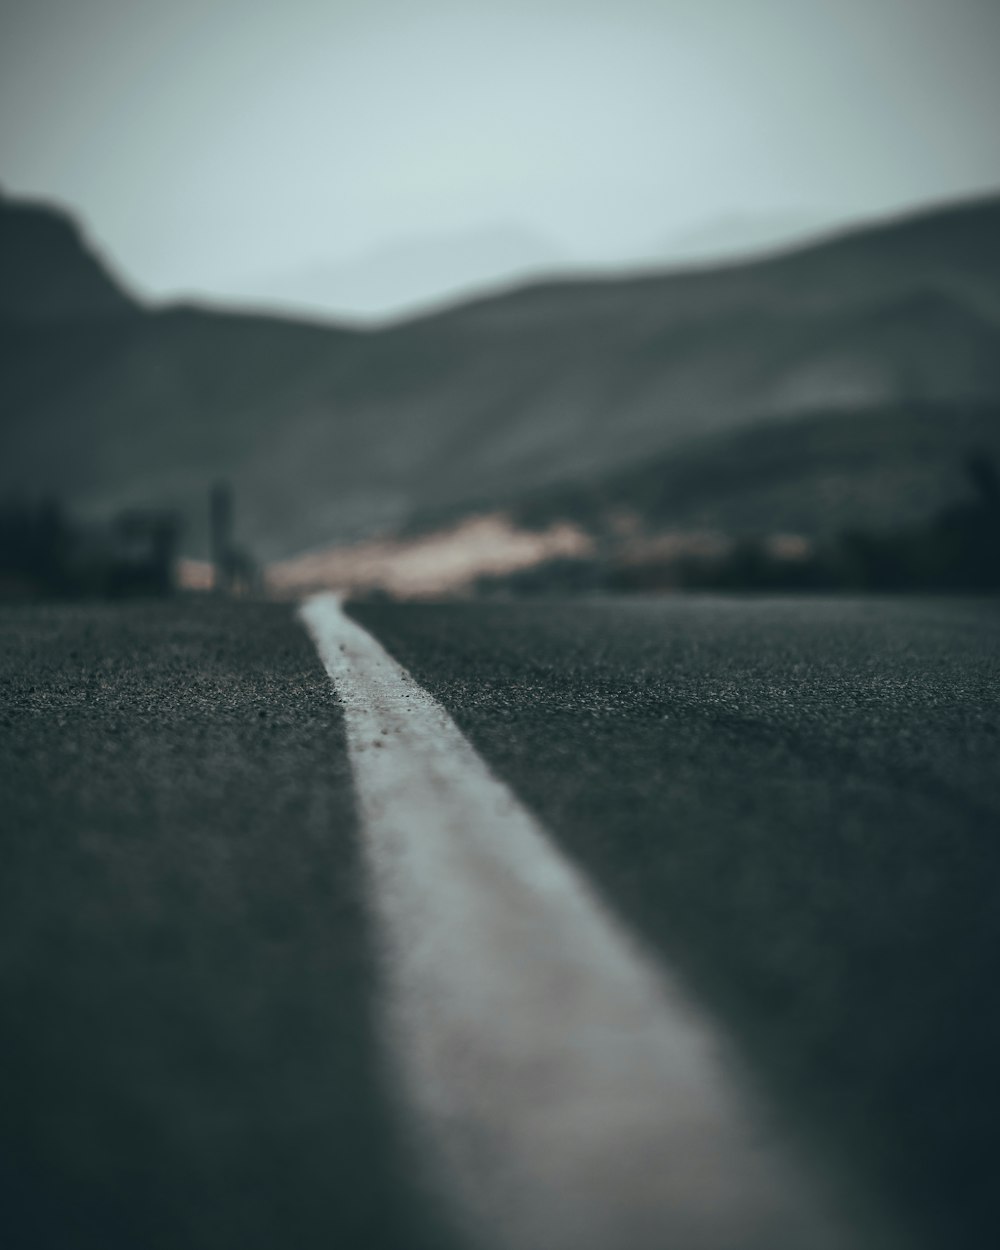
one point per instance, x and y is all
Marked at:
(798, 804)
(569, 1092)
(187, 1055)
(794, 804)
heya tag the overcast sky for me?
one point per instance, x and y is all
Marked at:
(225, 146)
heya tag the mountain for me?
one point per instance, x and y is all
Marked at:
(409, 275)
(741, 236)
(330, 434)
(47, 270)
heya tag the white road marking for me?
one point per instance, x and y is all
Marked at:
(565, 1093)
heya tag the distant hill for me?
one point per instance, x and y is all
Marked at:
(408, 276)
(740, 236)
(864, 341)
(47, 271)
(877, 467)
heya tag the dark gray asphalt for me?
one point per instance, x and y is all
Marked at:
(797, 803)
(186, 1049)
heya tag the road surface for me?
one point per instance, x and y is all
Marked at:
(787, 812)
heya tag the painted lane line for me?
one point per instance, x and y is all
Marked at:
(565, 1094)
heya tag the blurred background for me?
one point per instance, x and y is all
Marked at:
(438, 299)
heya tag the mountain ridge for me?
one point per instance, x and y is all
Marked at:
(331, 433)
(49, 270)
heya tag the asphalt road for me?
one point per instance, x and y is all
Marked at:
(794, 804)
(187, 1056)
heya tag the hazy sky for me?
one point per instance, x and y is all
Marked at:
(212, 145)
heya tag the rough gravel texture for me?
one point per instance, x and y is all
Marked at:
(798, 804)
(187, 1051)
